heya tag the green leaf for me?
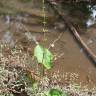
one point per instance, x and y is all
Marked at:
(43, 56)
(56, 92)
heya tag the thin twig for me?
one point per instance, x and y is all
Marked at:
(55, 40)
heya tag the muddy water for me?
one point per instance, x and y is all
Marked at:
(73, 65)
(73, 62)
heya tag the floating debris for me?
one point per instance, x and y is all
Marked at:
(81, 50)
(90, 41)
(7, 19)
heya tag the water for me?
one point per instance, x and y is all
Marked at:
(74, 60)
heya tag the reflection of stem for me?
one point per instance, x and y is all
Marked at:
(44, 17)
(44, 24)
(55, 40)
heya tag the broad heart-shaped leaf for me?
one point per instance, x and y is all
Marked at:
(43, 56)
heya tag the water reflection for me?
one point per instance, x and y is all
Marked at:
(82, 13)
(92, 19)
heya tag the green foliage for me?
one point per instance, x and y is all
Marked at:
(55, 92)
(43, 56)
